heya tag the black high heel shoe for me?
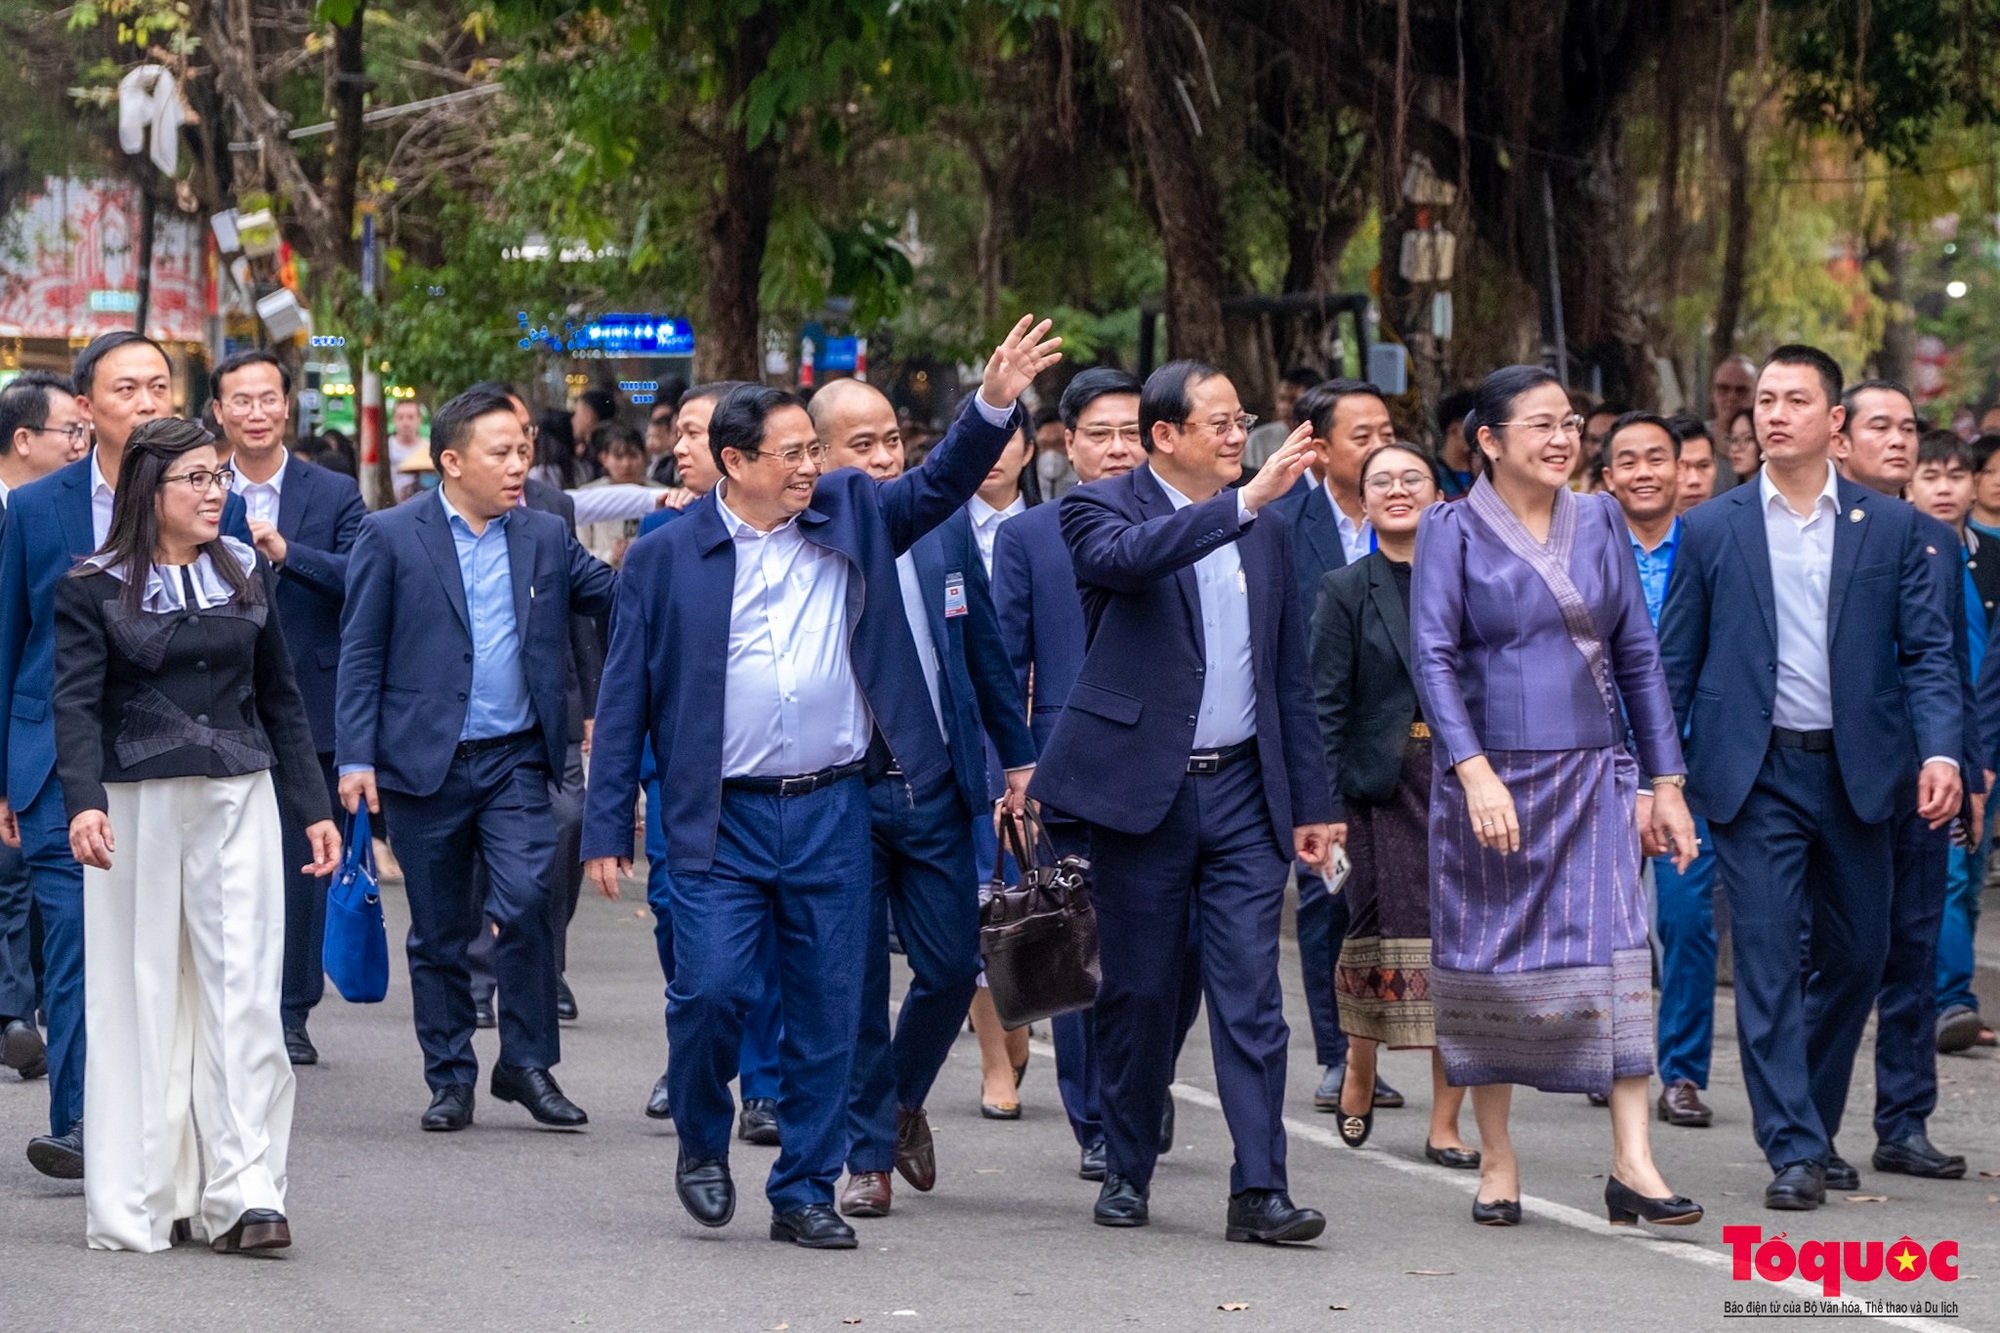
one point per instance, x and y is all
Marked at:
(1625, 1206)
(1355, 1129)
(1499, 1213)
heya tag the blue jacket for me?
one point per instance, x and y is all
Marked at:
(1316, 548)
(318, 514)
(670, 640)
(1895, 684)
(47, 532)
(1944, 552)
(976, 683)
(1121, 747)
(1041, 616)
(406, 646)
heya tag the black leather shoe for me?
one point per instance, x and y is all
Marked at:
(1458, 1159)
(1386, 1097)
(1799, 1187)
(37, 1069)
(565, 1000)
(815, 1227)
(758, 1122)
(1326, 1097)
(21, 1047)
(299, 1048)
(450, 1109)
(1270, 1218)
(916, 1151)
(1841, 1174)
(1499, 1213)
(257, 1229)
(1167, 1127)
(705, 1190)
(657, 1107)
(1120, 1203)
(1625, 1206)
(536, 1090)
(59, 1156)
(482, 1013)
(1913, 1155)
(1090, 1166)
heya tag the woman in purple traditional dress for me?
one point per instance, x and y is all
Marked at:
(1535, 663)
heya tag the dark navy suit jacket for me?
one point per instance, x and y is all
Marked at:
(319, 512)
(976, 682)
(47, 532)
(1316, 548)
(406, 644)
(1120, 749)
(1895, 682)
(1041, 615)
(670, 641)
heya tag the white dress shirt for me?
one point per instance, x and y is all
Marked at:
(1801, 569)
(791, 703)
(1357, 539)
(5, 491)
(260, 498)
(1228, 686)
(920, 633)
(167, 586)
(100, 504)
(986, 521)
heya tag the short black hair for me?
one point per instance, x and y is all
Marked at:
(24, 404)
(717, 389)
(1304, 377)
(1944, 446)
(1607, 408)
(501, 387)
(255, 356)
(1164, 396)
(1322, 400)
(670, 391)
(1410, 447)
(1047, 415)
(452, 422)
(1982, 449)
(83, 374)
(1091, 385)
(1802, 354)
(1627, 420)
(611, 436)
(1854, 391)
(1690, 427)
(739, 419)
(1493, 401)
(1453, 409)
(601, 401)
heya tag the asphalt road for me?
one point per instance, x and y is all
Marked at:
(509, 1227)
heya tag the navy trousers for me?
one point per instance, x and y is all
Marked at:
(1214, 868)
(565, 877)
(305, 914)
(1798, 859)
(56, 879)
(922, 873)
(17, 966)
(493, 808)
(1322, 925)
(1684, 924)
(801, 864)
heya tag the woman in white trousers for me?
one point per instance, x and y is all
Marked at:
(178, 726)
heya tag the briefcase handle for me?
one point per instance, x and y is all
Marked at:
(1027, 850)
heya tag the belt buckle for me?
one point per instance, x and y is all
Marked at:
(1203, 764)
(800, 786)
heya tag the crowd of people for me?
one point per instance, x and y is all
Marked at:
(1511, 717)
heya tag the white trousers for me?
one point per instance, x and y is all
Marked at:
(184, 939)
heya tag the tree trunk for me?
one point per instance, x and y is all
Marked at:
(1734, 141)
(149, 221)
(343, 173)
(1895, 358)
(1600, 305)
(739, 222)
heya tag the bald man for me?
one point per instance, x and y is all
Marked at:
(923, 866)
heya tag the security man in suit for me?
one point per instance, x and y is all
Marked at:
(302, 519)
(762, 649)
(452, 719)
(1189, 745)
(1811, 669)
(121, 380)
(924, 871)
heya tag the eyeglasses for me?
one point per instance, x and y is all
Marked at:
(1221, 426)
(242, 404)
(1382, 483)
(1100, 436)
(1548, 430)
(201, 478)
(791, 457)
(76, 432)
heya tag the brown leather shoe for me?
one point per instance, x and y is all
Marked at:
(866, 1195)
(916, 1157)
(1681, 1104)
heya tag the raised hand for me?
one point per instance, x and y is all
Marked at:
(1023, 354)
(1281, 471)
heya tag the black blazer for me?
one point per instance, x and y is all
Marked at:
(177, 695)
(1361, 680)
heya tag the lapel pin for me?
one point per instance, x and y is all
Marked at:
(1931, 549)
(1855, 516)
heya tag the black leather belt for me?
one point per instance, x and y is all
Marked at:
(802, 785)
(1819, 742)
(467, 749)
(1214, 761)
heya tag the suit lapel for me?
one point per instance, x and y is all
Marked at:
(1153, 503)
(928, 555)
(1321, 530)
(1388, 605)
(1848, 537)
(292, 497)
(521, 568)
(76, 509)
(434, 531)
(1748, 523)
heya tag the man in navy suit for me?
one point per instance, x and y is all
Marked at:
(1329, 531)
(121, 380)
(302, 519)
(761, 647)
(1188, 744)
(452, 717)
(924, 871)
(1811, 668)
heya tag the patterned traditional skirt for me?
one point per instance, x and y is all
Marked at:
(1540, 972)
(1382, 982)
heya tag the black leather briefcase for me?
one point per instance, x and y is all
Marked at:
(1039, 937)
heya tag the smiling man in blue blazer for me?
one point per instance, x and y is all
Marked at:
(302, 519)
(121, 380)
(1812, 669)
(761, 646)
(1190, 746)
(453, 718)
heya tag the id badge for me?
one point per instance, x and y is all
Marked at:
(954, 595)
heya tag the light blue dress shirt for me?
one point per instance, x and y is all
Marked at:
(498, 704)
(1655, 568)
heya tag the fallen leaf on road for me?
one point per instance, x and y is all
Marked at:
(1336, 1307)
(988, 1170)
(1868, 1198)
(1993, 1198)
(1989, 1175)
(903, 1312)
(1428, 1272)
(780, 1326)
(640, 914)
(850, 1321)
(1234, 1305)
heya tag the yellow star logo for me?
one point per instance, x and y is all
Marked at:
(1906, 1259)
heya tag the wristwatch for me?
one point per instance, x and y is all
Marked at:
(1669, 780)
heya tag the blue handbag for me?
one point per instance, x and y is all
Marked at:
(356, 951)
